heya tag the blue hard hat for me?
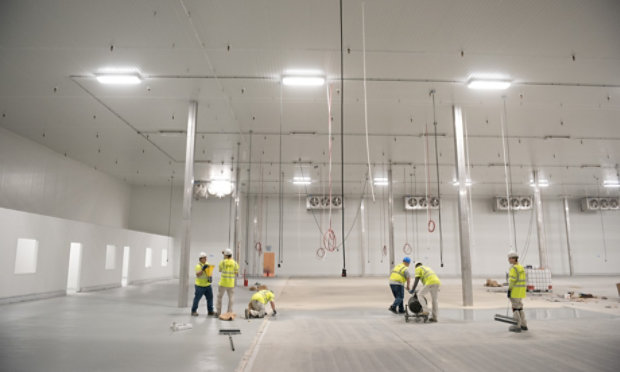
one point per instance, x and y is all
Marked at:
(407, 260)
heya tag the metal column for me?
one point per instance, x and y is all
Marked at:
(540, 224)
(464, 207)
(186, 221)
(391, 216)
(236, 200)
(567, 225)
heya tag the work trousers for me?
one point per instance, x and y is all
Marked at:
(203, 291)
(257, 309)
(434, 291)
(517, 311)
(231, 295)
(399, 295)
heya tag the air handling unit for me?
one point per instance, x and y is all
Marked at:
(421, 202)
(314, 202)
(515, 203)
(602, 204)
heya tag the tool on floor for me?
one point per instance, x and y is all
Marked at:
(229, 333)
(180, 326)
(505, 319)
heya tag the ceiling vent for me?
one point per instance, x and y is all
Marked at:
(314, 202)
(516, 203)
(603, 204)
(420, 202)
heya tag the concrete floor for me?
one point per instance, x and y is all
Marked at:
(323, 324)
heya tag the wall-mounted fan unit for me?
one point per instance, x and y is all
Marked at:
(603, 204)
(420, 202)
(517, 203)
(323, 202)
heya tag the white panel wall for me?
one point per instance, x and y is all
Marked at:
(36, 179)
(490, 236)
(54, 236)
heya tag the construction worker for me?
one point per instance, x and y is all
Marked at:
(202, 284)
(229, 269)
(516, 292)
(399, 276)
(431, 284)
(256, 307)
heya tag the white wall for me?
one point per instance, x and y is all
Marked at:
(490, 236)
(36, 179)
(55, 236)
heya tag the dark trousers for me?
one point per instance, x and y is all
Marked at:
(399, 296)
(203, 291)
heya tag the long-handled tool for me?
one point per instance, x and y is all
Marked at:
(229, 333)
(505, 319)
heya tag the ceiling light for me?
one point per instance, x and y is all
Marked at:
(541, 183)
(611, 183)
(220, 188)
(119, 78)
(302, 180)
(468, 182)
(487, 84)
(303, 81)
(381, 181)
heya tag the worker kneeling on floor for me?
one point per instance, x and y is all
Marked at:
(256, 307)
(516, 292)
(399, 276)
(431, 284)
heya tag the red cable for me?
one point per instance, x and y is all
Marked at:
(259, 248)
(407, 249)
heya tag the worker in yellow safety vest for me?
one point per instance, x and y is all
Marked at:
(431, 284)
(256, 307)
(516, 292)
(202, 284)
(229, 269)
(398, 277)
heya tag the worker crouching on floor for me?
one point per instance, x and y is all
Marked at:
(256, 307)
(431, 284)
(516, 292)
(399, 276)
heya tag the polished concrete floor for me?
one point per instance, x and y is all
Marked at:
(323, 324)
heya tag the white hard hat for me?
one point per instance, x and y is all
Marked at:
(227, 252)
(202, 254)
(513, 254)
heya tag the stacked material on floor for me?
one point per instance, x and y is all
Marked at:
(538, 280)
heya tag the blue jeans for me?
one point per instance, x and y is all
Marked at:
(203, 291)
(399, 295)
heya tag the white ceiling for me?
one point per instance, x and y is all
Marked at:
(562, 55)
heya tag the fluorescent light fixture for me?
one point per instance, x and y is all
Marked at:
(488, 84)
(303, 81)
(611, 183)
(220, 188)
(118, 78)
(302, 180)
(541, 183)
(381, 181)
(468, 182)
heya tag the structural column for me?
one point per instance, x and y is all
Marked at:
(186, 221)
(540, 224)
(464, 207)
(568, 246)
(391, 216)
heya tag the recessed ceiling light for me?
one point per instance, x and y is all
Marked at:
(381, 181)
(302, 181)
(488, 84)
(468, 182)
(611, 183)
(118, 78)
(303, 81)
(541, 183)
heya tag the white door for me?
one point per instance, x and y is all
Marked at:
(125, 266)
(75, 263)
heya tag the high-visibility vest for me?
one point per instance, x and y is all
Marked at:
(263, 296)
(203, 280)
(398, 273)
(229, 269)
(516, 281)
(427, 275)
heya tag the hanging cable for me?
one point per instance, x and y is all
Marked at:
(431, 222)
(407, 249)
(438, 183)
(329, 239)
(372, 189)
(470, 215)
(414, 228)
(507, 177)
(598, 190)
(280, 191)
